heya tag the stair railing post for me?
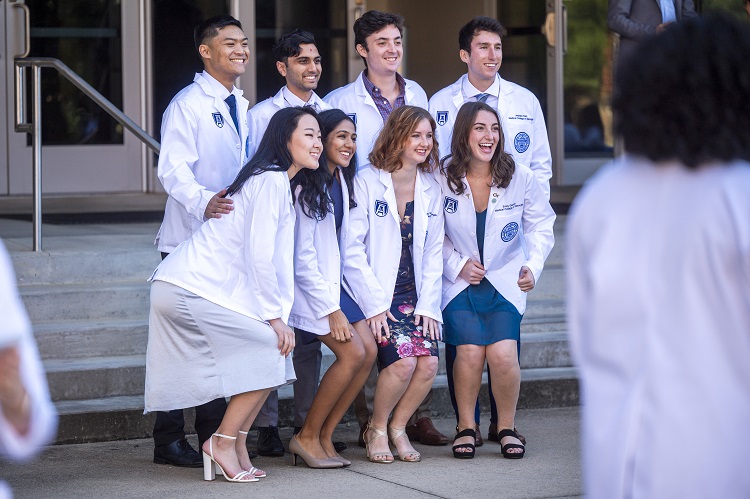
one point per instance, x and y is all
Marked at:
(36, 143)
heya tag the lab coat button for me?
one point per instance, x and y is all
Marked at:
(238, 146)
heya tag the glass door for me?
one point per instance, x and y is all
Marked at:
(84, 149)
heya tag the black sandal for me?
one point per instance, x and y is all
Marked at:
(504, 449)
(468, 432)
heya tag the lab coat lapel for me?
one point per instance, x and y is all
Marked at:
(390, 194)
(421, 204)
(494, 203)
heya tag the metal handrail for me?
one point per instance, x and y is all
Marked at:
(35, 126)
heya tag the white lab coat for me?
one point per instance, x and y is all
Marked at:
(260, 114)
(243, 260)
(521, 119)
(355, 101)
(658, 263)
(518, 212)
(15, 330)
(318, 267)
(201, 153)
(374, 243)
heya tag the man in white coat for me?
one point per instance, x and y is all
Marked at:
(480, 47)
(299, 62)
(204, 145)
(369, 100)
(379, 89)
(658, 265)
(522, 121)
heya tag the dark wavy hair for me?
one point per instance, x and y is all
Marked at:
(273, 151)
(471, 29)
(456, 164)
(289, 44)
(210, 28)
(685, 94)
(392, 139)
(316, 184)
(373, 21)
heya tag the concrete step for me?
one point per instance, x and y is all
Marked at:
(81, 339)
(95, 377)
(119, 418)
(132, 262)
(97, 302)
(551, 285)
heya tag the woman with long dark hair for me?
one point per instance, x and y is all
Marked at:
(220, 301)
(322, 309)
(491, 206)
(394, 271)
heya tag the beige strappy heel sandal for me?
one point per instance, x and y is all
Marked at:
(409, 457)
(380, 457)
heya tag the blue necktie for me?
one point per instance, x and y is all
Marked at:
(232, 103)
(667, 11)
(482, 97)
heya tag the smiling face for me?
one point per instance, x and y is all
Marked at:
(418, 145)
(484, 137)
(341, 144)
(484, 59)
(302, 72)
(225, 56)
(383, 51)
(304, 145)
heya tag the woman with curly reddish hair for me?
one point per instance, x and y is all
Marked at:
(394, 268)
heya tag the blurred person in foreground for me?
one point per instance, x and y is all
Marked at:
(659, 275)
(28, 420)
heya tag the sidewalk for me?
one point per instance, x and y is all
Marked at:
(551, 468)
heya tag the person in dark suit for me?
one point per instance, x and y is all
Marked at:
(635, 20)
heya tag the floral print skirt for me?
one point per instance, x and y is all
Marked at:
(406, 339)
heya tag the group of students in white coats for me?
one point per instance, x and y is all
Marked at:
(368, 268)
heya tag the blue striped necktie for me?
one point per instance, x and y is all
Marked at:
(482, 97)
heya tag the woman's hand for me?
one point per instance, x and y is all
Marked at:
(526, 279)
(285, 334)
(378, 324)
(14, 400)
(430, 327)
(339, 326)
(473, 272)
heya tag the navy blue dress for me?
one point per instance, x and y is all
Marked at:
(405, 340)
(479, 315)
(350, 308)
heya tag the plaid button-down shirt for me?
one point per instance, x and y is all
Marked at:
(383, 105)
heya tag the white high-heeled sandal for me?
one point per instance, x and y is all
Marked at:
(210, 466)
(257, 472)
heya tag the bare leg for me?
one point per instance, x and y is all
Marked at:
(349, 359)
(392, 383)
(419, 385)
(467, 376)
(241, 445)
(506, 383)
(238, 410)
(363, 335)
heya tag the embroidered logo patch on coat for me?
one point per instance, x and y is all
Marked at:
(353, 116)
(381, 208)
(522, 142)
(442, 117)
(218, 119)
(450, 205)
(509, 232)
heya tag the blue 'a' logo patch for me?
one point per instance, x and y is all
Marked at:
(442, 117)
(218, 119)
(509, 232)
(450, 205)
(522, 142)
(381, 208)
(353, 116)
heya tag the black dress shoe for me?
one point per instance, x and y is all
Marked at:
(269, 442)
(337, 446)
(178, 453)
